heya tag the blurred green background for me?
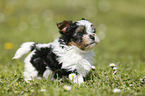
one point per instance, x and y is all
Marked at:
(120, 25)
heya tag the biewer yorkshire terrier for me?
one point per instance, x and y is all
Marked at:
(70, 54)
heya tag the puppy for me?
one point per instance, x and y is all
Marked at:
(69, 54)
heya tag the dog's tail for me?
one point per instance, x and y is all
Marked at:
(24, 48)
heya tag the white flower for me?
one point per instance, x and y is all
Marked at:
(42, 90)
(141, 80)
(130, 84)
(116, 90)
(93, 67)
(115, 68)
(66, 87)
(112, 65)
(72, 76)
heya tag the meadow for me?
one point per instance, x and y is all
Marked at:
(120, 24)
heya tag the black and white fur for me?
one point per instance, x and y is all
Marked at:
(70, 54)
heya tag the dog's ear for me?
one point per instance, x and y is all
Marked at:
(64, 25)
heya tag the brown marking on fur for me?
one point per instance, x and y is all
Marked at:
(79, 45)
(84, 45)
(80, 29)
(63, 25)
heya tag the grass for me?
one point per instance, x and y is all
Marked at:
(119, 24)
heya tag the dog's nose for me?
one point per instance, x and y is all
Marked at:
(92, 37)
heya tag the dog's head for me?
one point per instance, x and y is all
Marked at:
(81, 34)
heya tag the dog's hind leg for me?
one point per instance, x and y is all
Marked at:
(29, 72)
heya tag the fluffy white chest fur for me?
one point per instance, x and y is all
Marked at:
(73, 58)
